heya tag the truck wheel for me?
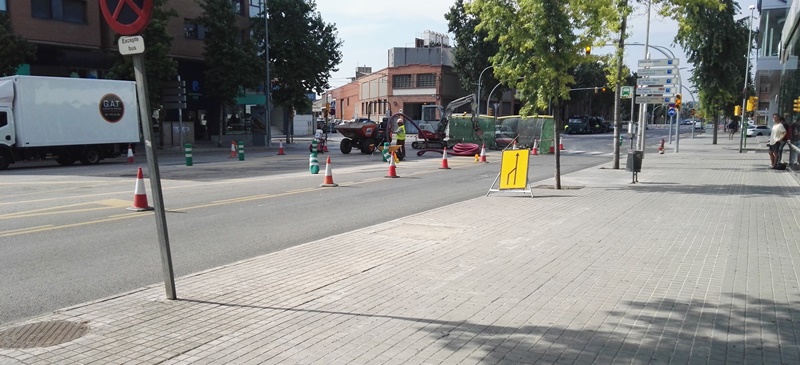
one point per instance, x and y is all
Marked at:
(91, 156)
(346, 145)
(65, 161)
(5, 160)
(367, 146)
(415, 145)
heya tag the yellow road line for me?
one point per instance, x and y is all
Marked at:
(114, 203)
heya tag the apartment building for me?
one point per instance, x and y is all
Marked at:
(73, 40)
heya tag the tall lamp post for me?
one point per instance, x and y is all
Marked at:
(478, 94)
(490, 97)
(267, 86)
(742, 129)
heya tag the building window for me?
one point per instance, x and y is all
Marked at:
(426, 80)
(236, 5)
(401, 82)
(74, 11)
(42, 9)
(3, 6)
(192, 30)
(255, 7)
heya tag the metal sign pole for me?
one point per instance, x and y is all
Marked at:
(180, 120)
(155, 176)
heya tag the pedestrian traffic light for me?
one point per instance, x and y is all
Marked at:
(678, 101)
(796, 105)
(737, 110)
(588, 50)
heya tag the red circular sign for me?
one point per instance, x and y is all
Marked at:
(127, 17)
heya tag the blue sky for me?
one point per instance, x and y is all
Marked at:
(369, 28)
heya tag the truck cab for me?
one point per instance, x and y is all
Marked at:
(7, 136)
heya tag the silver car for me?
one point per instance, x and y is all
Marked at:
(757, 130)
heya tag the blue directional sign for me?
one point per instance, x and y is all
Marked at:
(671, 112)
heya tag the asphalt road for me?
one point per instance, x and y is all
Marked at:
(67, 237)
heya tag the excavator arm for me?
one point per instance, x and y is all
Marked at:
(455, 104)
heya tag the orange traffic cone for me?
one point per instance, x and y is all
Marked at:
(234, 149)
(280, 149)
(328, 180)
(535, 149)
(560, 143)
(130, 154)
(139, 194)
(483, 153)
(392, 167)
(444, 160)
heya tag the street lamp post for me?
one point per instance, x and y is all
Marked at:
(478, 94)
(267, 87)
(490, 97)
(746, 74)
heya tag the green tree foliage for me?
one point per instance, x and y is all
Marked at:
(14, 50)
(303, 51)
(231, 60)
(160, 67)
(472, 51)
(715, 43)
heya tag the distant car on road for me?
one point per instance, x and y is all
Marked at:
(757, 130)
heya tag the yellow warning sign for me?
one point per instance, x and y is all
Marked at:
(514, 169)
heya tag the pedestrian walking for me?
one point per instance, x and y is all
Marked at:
(777, 139)
(731, 129)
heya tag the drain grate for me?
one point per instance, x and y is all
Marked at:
(42, 334)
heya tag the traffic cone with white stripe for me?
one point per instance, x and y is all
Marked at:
(535, 149)
(328, 180)
(234, 150)
(280, 149)
(130, 154)
(445, 165)
(392, 167)
(560, 143)
(139, 194)
(483, 153)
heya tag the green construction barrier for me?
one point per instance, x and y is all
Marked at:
(499, 132)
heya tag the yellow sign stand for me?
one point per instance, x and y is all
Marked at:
(513, 176)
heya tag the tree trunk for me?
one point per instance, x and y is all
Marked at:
(617, 101)
(556, 139)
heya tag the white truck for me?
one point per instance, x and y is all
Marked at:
(69, 119)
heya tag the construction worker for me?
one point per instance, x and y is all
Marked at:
(401, 138)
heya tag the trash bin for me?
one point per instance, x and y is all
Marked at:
(634, 163)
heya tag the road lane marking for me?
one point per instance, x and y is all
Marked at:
(116, 203)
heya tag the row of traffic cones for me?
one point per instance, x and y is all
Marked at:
(140, 194)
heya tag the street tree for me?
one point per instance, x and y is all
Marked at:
(715, 43)
(14, 50)
(472, 49)
(160, 67)
(231, 60)
(540, 45)
(303, 50)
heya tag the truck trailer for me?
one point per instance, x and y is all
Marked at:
(68, 119)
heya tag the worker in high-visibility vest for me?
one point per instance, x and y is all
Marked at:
(401, 137)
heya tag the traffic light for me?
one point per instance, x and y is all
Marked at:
(677, 101)
(737, 110)
(748, 106)
(489, 111)
(796, 105)
(604, 89)
(588, 50)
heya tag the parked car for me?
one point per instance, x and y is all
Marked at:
(757, 130)
(698, 124)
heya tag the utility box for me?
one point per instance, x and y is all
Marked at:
(634, 163)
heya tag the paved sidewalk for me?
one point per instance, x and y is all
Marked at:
(697, 263)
